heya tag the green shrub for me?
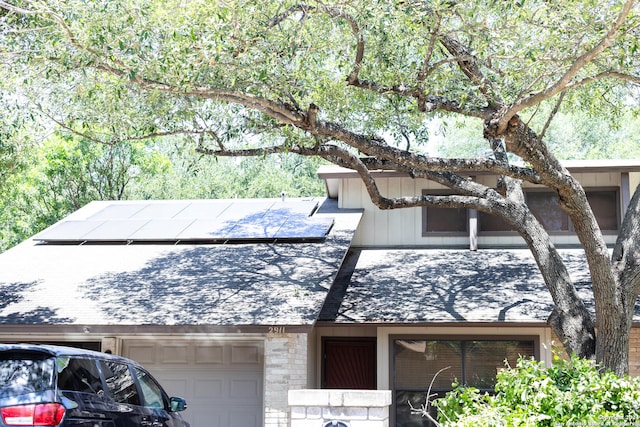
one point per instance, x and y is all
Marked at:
(570, 393)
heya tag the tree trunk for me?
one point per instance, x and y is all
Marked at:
(570, 319)
(612, 345)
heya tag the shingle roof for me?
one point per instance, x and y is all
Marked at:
(433, 285)
(157, 284)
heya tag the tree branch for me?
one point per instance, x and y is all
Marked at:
(127, 139)
(571, 73)
(551, 116)
(15, 9)
(470, 68)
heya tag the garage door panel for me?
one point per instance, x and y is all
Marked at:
(245, 354)
(243, 418)
(142, 353)
(211, 388)
(244, 389)
(209, 354)
(174, 354)
(221, 381)
(210, 419)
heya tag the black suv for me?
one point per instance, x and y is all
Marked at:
(42, 385)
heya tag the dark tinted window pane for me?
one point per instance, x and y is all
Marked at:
(25, 372)
(446, 220)
(418, 361)
(80, 375)
(483, 359)
(120, 382)
(604, 205)
(151, 391)
(487, 222)
(407, 401)
(546, 209)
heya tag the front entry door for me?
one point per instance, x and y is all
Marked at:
(349, 363)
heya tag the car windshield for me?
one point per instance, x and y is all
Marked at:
(25, 372)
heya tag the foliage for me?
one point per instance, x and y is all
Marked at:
(63, 174)
(66, 172)
(571, 392)
(193, 176)
(571, 136)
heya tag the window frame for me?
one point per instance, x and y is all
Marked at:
(570, 231)
(534, 339)
(108, 389)
(97, 382)
(141, 388)
(425, 216)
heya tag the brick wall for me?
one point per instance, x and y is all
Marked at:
(634, 351)
(352, 408)
(285, 368)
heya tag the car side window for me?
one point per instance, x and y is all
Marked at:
(80, 375)
(120, 382)
(151, 391)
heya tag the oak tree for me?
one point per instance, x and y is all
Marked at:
(355, 82)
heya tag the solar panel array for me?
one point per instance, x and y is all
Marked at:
(213, 221)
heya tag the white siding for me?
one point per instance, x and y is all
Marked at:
(403, 227)
(634, 181)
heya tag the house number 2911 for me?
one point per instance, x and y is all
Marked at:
(276, 329)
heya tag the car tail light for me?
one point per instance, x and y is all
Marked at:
(43, 414)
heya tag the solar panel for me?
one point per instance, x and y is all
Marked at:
(203, 209)
(117, 229)
(68, 230)
(160, 210)
(193, 221)
(155, 229)
(117, 211)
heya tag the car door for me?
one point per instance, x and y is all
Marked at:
(82, 392)
(127, 409)
(155, 399)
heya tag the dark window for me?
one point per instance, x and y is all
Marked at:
(544, 206)
(151, 391)
(491, 223)
(472, 362)
(444, 220)
(25, 372)
(120, 382)
(605, 206)
(79, 375)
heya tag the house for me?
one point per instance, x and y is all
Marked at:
(231, 303)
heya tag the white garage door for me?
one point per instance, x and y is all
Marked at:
(221, 380)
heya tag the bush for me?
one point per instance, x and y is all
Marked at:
(570, 393)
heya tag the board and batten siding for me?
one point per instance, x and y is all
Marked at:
(403, 227)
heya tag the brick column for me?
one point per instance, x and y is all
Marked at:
(285, 368)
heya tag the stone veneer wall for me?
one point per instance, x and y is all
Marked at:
(352, 408)
(285, 368)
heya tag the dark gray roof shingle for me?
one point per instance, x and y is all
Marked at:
(449, 285)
